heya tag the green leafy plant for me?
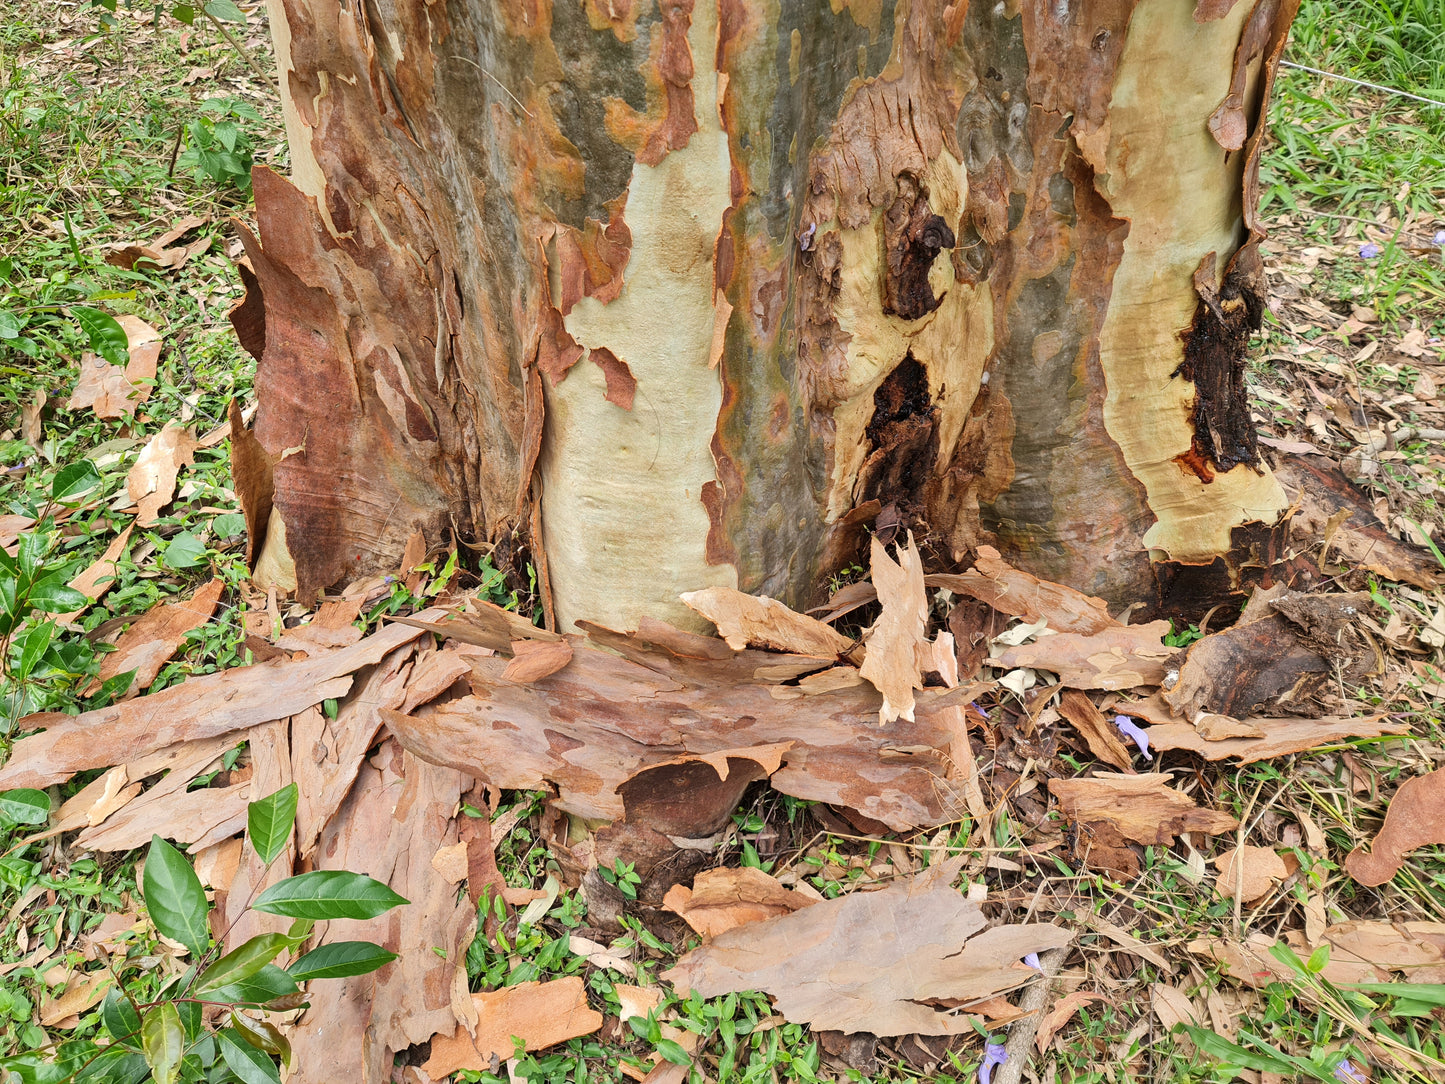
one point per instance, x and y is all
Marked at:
(217, 147)
(171, 1037)
(623, 875)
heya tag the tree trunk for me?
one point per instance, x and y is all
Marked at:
(664, 296)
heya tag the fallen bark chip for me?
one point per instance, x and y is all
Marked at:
(202, 707)
(483, 625)
(605, 719)
(1099, 734)
(897, 643)
(1144, 808)
(541, 1014)
(533, 660)
(1122, 657)
(1018, 594)
(758, 621)
(722, 899)
(1280, 737)
(1415, 818)
(873, 961)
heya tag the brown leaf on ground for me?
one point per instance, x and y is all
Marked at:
(1415, 948)
(11, 527)
(151, 483)
(1062, 1012)
(845, 600)
(828, 966)
(974, 624)
(1249, 872)
(1281, 737)
(533, 660)
(1415, 818)
(1120, 657)
(897, 642)
(31, 429)
(1144, 808)
(99, 577)
(1097, 731)
(153, 639)
(758, 621)
(721, 899)
(541, 1014)
(202, 707)
(656, 709)
(396, 816)
(163, 251)
(1006, 589)
(84, 991)
(1172, 1006)
(109, 390)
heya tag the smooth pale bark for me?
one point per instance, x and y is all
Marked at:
(663, 296)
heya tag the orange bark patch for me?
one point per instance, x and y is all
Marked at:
(621, 384)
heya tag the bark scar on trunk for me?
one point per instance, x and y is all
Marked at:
(912, 236)
(1216, 347)
(903, 436)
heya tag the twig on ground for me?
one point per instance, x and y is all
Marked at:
(1032, 1001)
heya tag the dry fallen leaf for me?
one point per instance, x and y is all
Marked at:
(539, 1013)
(872, 961)
(898, 641)
(99, 577)
(758, 621)
(721, 899)
(1249, 872)
(1063, 1010)
(151, 483)
(1415, 818)
(82, 992)
(1172, 1006)
(154, 638)
(113, 392)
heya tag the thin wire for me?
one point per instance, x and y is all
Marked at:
(1362, 83)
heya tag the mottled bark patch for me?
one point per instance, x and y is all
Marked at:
(1216, 348)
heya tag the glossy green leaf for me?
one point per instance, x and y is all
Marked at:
(327, 894)
(115, 1066)
(25, 806)
(107, 337)
(163, 1041)
(185, 13)
(250, 1065)
(32, 649)
(53, 595)
(185, 551)
(340, 959)
(673, 1052)
(224, 10)
(121, 1019)
(174, 897)
(241, 963)
(1430, 992)
(74, 479)
(269, 821)
(263, 987)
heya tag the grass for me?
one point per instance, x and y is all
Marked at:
(99, 144)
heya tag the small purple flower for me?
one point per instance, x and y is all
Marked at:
(1370, 251)
(1032, 960)
(1348, 1074)
(974, 705)
(994, 1054)
(1133, 733)
(1439, 238)
(805, 239)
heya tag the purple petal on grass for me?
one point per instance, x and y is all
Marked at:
(1133, 733)
(1348, 1074)
(1370, 251)
(1439, 237)
(994, 1054)
(1032, 960)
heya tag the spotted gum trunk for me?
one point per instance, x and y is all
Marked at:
(672, 294)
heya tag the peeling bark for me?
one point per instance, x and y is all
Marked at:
(985, 273)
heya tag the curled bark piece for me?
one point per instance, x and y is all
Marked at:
(1415, 818)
